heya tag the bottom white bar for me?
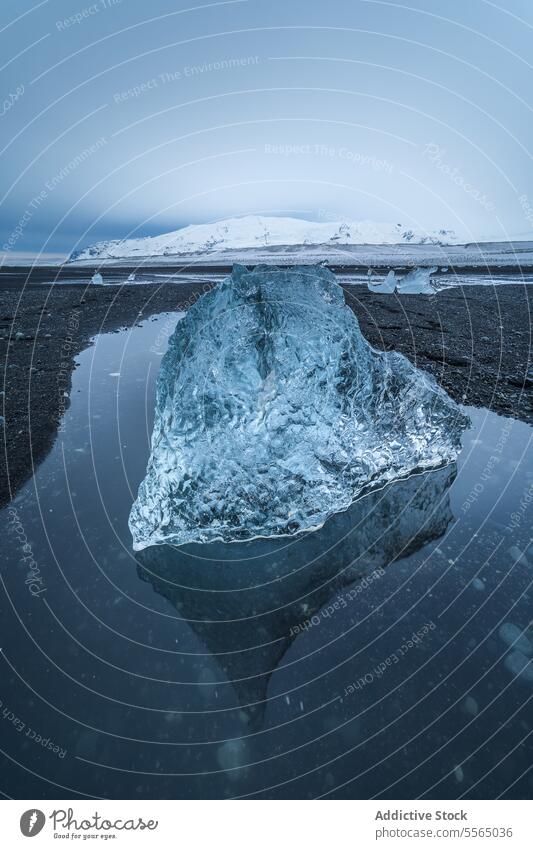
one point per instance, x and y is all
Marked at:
(260, 824)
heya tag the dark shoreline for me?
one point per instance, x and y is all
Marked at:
(476, 341)
(24, 276)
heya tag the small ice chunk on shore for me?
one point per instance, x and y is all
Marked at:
(417, 282)
(387, 286)
(131, 278)
(97, 279)
(515, 638)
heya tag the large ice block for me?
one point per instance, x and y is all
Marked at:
(273, 412)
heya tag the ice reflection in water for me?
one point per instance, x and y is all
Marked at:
(248, 601)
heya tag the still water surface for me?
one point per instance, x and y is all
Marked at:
(384, 656)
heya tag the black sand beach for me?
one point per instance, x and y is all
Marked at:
(475, 340)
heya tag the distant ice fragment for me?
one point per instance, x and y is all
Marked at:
(131, 278)
(417, 282)
(388, 285)
(273, 412)
(97, 278)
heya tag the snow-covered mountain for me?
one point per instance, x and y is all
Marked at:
(254, 231)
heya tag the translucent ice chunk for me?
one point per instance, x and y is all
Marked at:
(388, 285)
(97, 279)
(417, 282)
(273, 413)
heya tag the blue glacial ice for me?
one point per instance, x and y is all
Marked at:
(417, 282)
(387, 286)
(273, 413)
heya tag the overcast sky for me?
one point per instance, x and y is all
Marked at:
(125, 118)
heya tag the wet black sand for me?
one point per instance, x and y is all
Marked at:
(475, 340)
(16, 276)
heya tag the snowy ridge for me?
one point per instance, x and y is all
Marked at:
(254, 231)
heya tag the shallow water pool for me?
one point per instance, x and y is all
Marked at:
(384, 656)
